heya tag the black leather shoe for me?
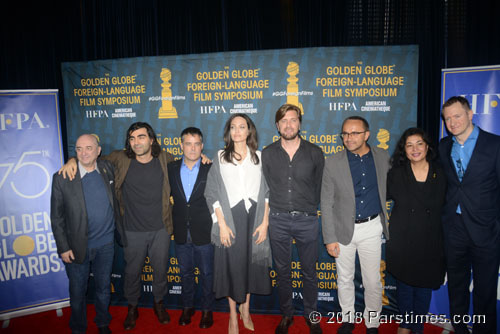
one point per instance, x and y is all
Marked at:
(313, 328)
(345, 328)
(186, 315)
(160, 312)
(104, 330)
(132, 316)
(285, 322)
(207, 319)
(372, 330)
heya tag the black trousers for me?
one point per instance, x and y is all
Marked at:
(155, 245)
(462, 255)
(283, 228)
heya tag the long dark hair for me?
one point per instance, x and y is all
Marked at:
(228, 154)
(399, 157)
(155, 147)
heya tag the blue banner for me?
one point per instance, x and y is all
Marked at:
(31, 273)
(481, 87)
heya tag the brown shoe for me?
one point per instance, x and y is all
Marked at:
(285, 322)
(186, 315)
(161, 313)
(132, 315)
(207, 319)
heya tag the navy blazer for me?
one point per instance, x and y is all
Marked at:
(479, 192)
(68, 213)
(195, 211)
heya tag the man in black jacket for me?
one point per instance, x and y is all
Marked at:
(192, 225)
(471, 216)
(83, 215)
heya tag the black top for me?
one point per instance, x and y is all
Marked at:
(68, 213)
(193, 214)
(296, 184)
(415, 252)
(479, 191)
(142, 195)
(364, 179)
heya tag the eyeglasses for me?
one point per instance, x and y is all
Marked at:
(345, 135)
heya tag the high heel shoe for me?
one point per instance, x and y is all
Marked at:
(247, 322)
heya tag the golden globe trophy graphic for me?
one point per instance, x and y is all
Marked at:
(167, 110)
(385, 300)
(292, 88)
(383, 137)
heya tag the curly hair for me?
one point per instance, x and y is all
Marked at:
(229, 154)
(155, 146)
(399, 157)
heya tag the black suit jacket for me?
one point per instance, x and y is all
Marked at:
(195, 212)
(415, 252)
(68, 213)
(479, 192)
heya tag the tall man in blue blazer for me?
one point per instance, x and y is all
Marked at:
(84, 213)
(471, 215)
(192, 225)
(354, 213)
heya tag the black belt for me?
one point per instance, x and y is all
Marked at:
(367, 219)
(303, 213)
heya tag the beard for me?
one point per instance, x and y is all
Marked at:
(289, 136)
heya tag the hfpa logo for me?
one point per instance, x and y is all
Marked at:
(483, 103)
(20, 121)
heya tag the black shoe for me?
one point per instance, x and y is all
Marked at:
(372, 330)
(132, 316)
(207, 319)
(186, 315)
(285, 322)
(346, 328)
(314, 328)
(160, 312)
(104, 330)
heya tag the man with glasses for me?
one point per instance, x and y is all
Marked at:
(353, 219)
(471, 216)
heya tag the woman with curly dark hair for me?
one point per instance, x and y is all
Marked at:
(414, 252)
(236, 194)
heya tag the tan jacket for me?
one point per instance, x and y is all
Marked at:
(121, 163)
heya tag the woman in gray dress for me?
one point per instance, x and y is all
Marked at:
(237, 194)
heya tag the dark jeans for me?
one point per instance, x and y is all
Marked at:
(283, 227)
(99, 261)
(462, 255)
(155, 244)
(413, 303)
(190, 256)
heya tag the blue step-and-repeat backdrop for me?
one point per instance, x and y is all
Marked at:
(174, 92)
